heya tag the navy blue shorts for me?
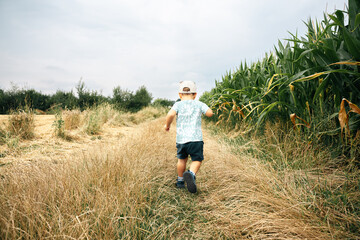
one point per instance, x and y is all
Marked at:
(194, 149)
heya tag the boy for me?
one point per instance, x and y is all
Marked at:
(189, 140)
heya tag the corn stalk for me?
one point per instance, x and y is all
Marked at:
(306, 76)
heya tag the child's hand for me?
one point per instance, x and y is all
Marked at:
(166, 128)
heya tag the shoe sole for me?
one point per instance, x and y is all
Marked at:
(190, 183)
(177, 186)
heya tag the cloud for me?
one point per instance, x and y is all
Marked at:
(52, 44)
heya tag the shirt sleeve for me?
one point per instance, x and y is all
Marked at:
(203, 107)
(175, 107)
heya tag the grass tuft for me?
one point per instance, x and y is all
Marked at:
(21, 124)
(72, 119)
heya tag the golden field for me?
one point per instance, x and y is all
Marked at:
(119, 184)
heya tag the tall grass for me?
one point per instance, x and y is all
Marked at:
(21, 124)
(129, 119)
(298, 181)
(92, 120)
(3, 134)
(105, 193)
(12, 142)
(72, 119)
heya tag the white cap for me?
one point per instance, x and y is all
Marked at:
(187, 84)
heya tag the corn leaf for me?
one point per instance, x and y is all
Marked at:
(357, 20)
(338, 19)
(321, 88)
(311, 77)
(271, 80)
(354, 108)
(343, 117)
(293, 119)
(352, 44)
(347, 63)
(315, 75)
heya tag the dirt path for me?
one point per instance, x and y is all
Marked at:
(239, 197)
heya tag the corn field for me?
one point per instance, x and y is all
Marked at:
(304, 81)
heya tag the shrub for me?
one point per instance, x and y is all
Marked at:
(127, 101)
(141, 99)
(66, 100)
(161, 102)
(88, 98)
(59, 126)
(121, 98)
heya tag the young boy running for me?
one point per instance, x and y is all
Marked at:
(189, 139)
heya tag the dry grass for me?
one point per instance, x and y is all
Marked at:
(94, 119)
(60, 134)
(290, 186)
(129, 119)
(247, 199)
(122, 187)
(107, 192)
(21, 124)
(72, 119)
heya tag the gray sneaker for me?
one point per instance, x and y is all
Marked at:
(190, 181)
(180, 184)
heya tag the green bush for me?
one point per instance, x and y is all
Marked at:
(161, 102)
(59, 125)
(88, 99)
(128, 101)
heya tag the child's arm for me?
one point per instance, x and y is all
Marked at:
(169, 118)
(209, 113)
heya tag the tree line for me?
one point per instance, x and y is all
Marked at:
(82, 98)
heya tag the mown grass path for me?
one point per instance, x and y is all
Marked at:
(123, 188)
(239, 197)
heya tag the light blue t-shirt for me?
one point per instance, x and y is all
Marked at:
(188, 120)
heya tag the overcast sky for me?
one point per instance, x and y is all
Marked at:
(50, 45)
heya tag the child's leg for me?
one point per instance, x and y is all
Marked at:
(195, 166)
(181, 166)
